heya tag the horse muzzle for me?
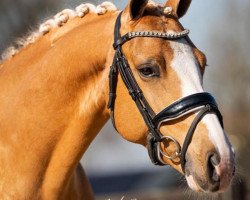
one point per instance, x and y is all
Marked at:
(202, 103)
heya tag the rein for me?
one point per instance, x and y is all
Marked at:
(203, 103)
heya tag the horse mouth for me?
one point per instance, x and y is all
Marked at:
(214, 183)
(203, 185)
(212, 176)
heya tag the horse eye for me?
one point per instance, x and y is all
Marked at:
(148, 72)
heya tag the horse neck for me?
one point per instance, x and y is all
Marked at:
(63, 92)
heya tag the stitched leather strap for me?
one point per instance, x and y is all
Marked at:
(187, 104)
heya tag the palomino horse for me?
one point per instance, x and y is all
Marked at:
(55, 91)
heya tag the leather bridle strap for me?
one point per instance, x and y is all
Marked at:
(186, 105)
(207, 109)
(120, 64)
(136, 93)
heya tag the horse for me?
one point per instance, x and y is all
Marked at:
(56, 84)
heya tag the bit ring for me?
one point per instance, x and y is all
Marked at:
(171, 139)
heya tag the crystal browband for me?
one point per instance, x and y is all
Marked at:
(166, 35)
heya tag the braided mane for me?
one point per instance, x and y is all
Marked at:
(57, 21)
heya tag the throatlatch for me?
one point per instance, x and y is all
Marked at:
(203, 103)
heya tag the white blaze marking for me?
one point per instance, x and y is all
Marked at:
(187, 68)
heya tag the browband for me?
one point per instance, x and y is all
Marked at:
(155, 34)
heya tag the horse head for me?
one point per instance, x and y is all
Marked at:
(161, 67)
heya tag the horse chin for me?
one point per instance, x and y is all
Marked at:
(192, 184)
(205, 186)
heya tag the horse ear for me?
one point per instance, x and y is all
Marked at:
(179, 7)
(136, 8)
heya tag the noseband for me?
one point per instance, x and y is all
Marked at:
(203, 103)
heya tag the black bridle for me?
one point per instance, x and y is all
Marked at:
(202, 102)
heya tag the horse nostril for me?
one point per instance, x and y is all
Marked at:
(213, 161)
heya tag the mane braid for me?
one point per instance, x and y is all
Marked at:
(57, 21)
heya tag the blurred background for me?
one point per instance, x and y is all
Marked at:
(122, 170)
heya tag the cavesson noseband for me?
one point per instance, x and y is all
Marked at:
(202, 102)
